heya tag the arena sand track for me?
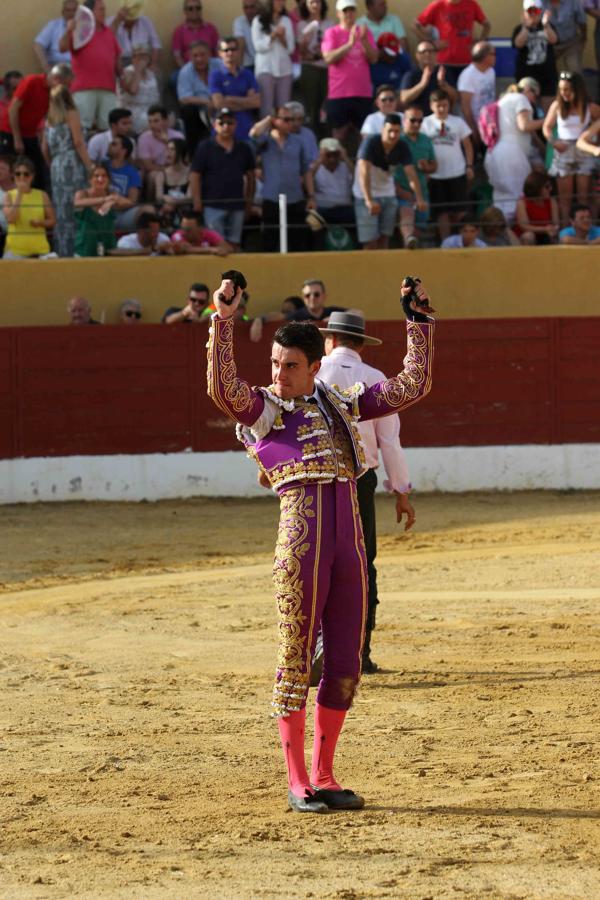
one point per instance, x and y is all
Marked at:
(137, 759)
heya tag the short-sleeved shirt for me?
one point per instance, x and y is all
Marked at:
(391, 72)
(422, 148)
(593, 233)
(94, 66)
(143, 32)
(481, 84)
(185, 35)
(389, 24)
(123, 178)
(222, 172)
(206, 238)
(455, 242)
(454, 22)
(239, 84)
(190, 84)
(383, 166)
(351, 75)
(565, 17)
(536, 58)
(446, 137)
(150, 148)
(132, 241)
(49, 38)
(34, 94)
(412, 78)
(283, 167)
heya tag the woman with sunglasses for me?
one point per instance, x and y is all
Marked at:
(95, 212)
(28, 212)
(570, 114)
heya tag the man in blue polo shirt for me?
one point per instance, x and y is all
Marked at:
(235, 87)
(222, 179)
(284, 167)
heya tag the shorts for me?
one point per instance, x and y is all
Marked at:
(371, 227)
(447, 195)
(420, 217)
(572, 162)
(94, 108)
(348, 111)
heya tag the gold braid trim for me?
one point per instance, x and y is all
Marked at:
(231, 394)
(406, 387)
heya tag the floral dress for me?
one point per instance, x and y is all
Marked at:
(67, 175)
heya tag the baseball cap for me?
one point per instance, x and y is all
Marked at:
(345, 4)
(533, 4)
(330, 145)
(389, 43)
(225, 113)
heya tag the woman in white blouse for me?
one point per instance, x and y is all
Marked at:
(273, 39)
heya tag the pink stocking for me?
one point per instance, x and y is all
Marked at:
(328, 724)
(291, 731)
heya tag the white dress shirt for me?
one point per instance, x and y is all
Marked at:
(344, 367)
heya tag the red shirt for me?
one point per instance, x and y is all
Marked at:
(184, 35)
(454, 21)
(94, 66)
(206, 238)
(34, 94)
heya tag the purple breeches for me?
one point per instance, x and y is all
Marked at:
(320, 579)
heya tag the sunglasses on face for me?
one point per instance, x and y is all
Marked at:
(193, 8)
(414, 119)
(225, 123)
(312, 294)
(286, 118)
(133, 314)
(228, 49)
(202, 300)
(23, 174)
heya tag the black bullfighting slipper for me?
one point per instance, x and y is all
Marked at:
(342, 799)
(310, 803)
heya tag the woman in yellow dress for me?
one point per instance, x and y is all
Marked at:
(29, 213)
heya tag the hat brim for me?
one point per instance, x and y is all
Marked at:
(365, 338)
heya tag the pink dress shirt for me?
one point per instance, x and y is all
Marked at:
(344, 367)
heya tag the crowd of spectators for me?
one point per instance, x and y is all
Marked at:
(372, 143)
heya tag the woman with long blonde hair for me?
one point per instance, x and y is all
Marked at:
(66, 153)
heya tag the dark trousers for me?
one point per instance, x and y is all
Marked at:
(365, 490)
(297, 236)
(33, 151)
(196, 129)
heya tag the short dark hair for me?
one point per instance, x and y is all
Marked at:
(145, 219)
(191, 214)
(439, 94)
(385, 89)
(304, 336)
(25, 162)
(200, 44)
(126, 144)
(580, 207)
(468, 223)
(297, 302)
(393, 119)
(115, 115)
(12, 73)
(230, 39)
(157, 108)
(199, 286)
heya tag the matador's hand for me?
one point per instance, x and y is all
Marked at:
(227, 292)
(419, 307)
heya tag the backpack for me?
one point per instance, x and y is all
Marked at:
(489, 124)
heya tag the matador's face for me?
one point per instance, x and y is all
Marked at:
(291, 373)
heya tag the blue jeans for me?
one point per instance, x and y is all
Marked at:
(228, 222)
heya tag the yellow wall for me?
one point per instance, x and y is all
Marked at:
(28, 16)
(537, 281)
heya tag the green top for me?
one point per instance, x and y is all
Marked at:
(94, 229)
(422, 148)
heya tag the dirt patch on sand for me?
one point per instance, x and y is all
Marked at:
(137, 758)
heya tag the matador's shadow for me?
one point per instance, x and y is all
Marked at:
(521, 812)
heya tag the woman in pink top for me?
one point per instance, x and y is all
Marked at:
(348, 49)
(95, 69)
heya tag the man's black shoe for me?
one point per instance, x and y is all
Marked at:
(368, 666)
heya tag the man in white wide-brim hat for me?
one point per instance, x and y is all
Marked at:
(345, 339)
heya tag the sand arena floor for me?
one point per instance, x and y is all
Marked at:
(137, 759)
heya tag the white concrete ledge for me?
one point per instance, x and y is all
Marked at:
(160, 476)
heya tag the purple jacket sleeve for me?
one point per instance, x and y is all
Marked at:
(394, 394)
(232, 395)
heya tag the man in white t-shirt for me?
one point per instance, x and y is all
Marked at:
(146, 240)
(477, 85)
(451, 138)
(386, 101)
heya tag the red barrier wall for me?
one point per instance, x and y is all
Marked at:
(118, 389)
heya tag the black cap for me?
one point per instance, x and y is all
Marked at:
(225, 113)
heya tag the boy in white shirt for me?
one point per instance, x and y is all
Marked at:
(451, 138)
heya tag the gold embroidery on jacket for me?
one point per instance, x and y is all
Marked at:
(224, 385)
(406, 387)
